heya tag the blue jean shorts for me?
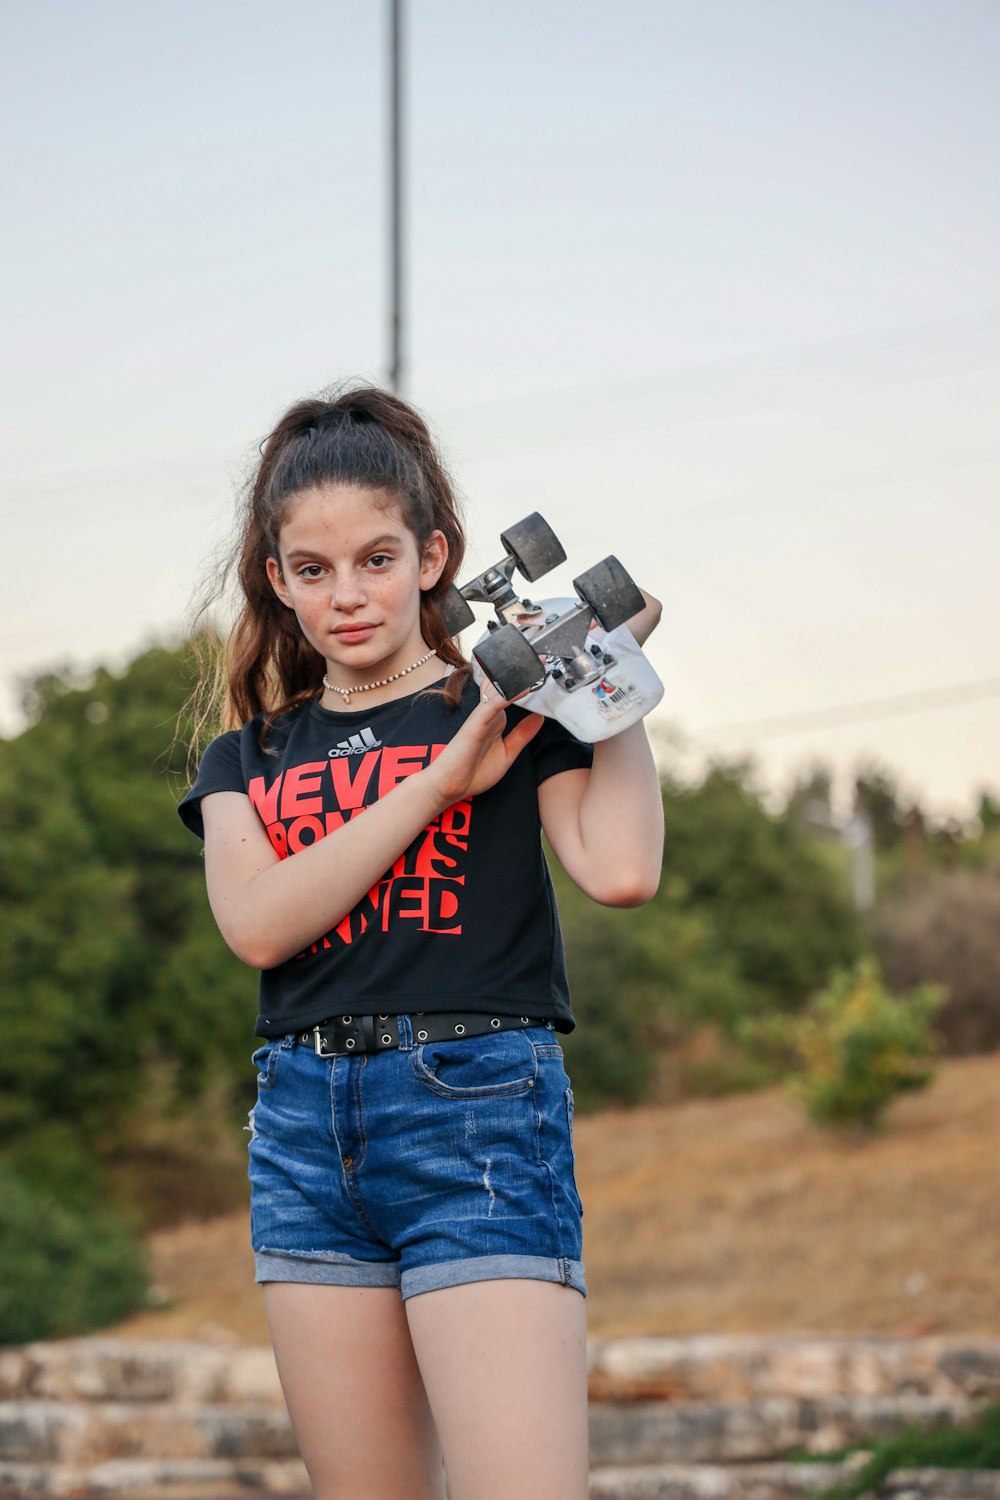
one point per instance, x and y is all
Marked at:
(420, 1167)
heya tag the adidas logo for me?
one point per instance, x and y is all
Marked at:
(356, 744)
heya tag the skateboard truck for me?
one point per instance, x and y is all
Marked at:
(530, 645)
(531, 547)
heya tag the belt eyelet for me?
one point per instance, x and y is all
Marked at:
(383, 1018)
(386, 1039)
(349, 1042)
(421, 1036)
(459, 1029)
(495, 1022)
(346, 1020)
(525, 1019)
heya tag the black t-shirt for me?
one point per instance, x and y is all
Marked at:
(466, 918)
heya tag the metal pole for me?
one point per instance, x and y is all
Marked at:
(396, 202)
(859, 838)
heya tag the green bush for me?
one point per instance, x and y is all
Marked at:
(55, 1164)
(971, 1445)
(63, 1269)
(855, 1047)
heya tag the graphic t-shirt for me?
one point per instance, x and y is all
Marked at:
(466, 917)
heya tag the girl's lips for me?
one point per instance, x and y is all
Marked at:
(353, 632)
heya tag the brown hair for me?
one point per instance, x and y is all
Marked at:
(359, 436)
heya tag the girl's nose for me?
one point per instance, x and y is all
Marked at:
(348, 590)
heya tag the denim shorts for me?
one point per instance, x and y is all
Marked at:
(420, 1167)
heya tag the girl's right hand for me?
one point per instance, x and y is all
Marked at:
(480, 754)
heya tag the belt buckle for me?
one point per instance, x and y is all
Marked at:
(319, 1037)
(363, 1038)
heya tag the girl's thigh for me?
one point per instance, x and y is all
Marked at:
(504, 1364)
(354, 1392)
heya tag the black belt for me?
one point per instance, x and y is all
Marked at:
(342, 1035)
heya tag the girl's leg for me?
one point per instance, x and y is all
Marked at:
(354, 1392)
(504, 1364)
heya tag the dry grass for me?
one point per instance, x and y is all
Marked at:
(732, 1215)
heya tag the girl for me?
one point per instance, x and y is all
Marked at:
(415, 1217)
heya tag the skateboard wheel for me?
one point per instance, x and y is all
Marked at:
(611, 593)
(534, 546)
(455, 609)
(510, 663)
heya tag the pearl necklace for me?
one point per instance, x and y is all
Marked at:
(345, 693)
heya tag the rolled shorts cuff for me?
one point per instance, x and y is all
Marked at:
(494, 1268)
(324, 1268)
(327, 1268)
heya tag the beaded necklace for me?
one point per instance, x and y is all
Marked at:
(345, 693)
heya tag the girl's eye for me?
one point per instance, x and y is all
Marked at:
(379, 560)
(310, 570)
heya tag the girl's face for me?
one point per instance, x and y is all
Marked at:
(350, 568)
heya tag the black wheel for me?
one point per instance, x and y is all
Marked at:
(509, 661)
(456, 611)
(534, 546)
(610, 592)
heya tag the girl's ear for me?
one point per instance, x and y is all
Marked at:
(277, 581)
(433, 561)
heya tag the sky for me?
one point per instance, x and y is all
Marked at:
(712, 284)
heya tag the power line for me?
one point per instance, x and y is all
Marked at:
(930, 338)
(860, 713)
(749, 366)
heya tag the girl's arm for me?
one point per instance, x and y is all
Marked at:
(606, 824)
(268, 909)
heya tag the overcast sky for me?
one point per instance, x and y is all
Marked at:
(711, 283)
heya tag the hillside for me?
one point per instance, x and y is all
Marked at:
(732, 1215)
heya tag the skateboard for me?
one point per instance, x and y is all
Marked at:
(571, 659)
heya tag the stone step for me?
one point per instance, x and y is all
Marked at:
(156, 1479)
(702, 1368)
(709, 1432)
(783, 1481)
(64, 1432)
(220, 1479)
(716, 1367)
(78, 1433)
(95, 1369)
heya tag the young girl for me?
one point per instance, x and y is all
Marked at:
(415, 1217)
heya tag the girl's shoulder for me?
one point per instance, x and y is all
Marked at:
(231, 761)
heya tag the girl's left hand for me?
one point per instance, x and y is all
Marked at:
(645, 622)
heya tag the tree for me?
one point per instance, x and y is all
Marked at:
(776, 899)
(108, 953)
(751, 915)
(876, 794)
